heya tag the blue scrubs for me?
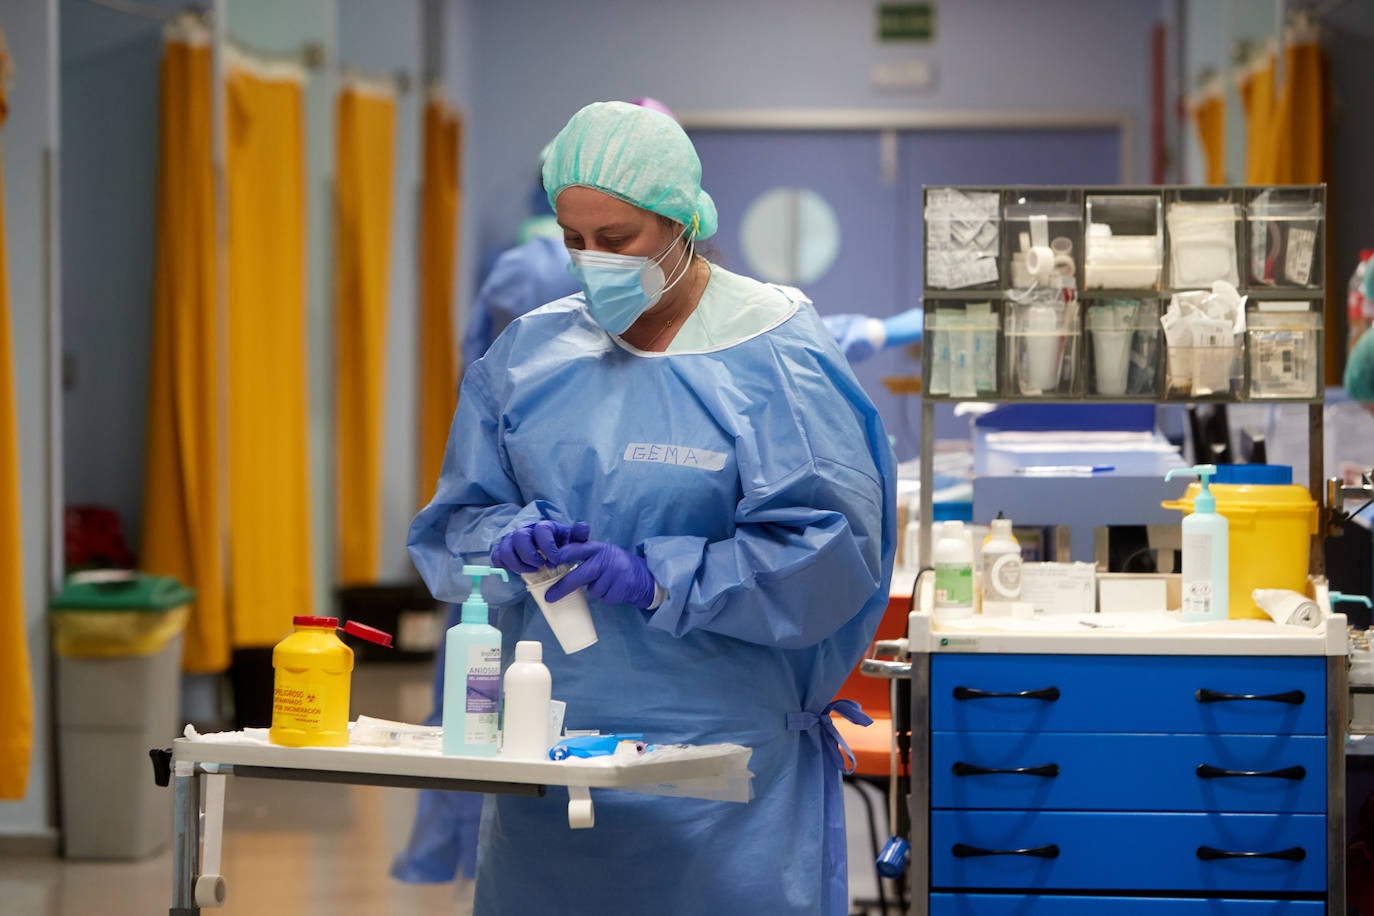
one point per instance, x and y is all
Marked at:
(757, 482)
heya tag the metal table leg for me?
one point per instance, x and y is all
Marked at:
(185, 839)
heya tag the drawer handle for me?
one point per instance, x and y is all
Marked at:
(1209, 854)
(1207, 771)
(1292, 697)
(973, 693)
(960, 768)
(963, 851)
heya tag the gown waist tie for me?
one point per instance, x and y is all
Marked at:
(839, 758)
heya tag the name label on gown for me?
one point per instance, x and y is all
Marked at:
(681, 455)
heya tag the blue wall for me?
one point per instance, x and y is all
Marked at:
(1350, 198)
(538, 62)
(109, 201)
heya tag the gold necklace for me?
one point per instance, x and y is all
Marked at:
(653, 340)
(671, 321)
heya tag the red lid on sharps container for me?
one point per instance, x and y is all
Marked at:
(371, 634)
(306, 620)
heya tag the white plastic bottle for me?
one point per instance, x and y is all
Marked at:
(527, 691)
(1001, 562)
(953, 560)
(1206, 553)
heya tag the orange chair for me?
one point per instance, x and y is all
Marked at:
(874, 746)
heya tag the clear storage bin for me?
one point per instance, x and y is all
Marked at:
(1286, 227)
(1204, 370)
(961, 349)
(1123, 245)
(1203, 236)
(962, 233)
(1283, 352)
(1123, 342)
(1042, 238)
(1041, 349)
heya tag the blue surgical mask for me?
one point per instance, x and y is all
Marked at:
(620, 287)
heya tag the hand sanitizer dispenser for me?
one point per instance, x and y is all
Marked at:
(1206, 553)
(472, 676)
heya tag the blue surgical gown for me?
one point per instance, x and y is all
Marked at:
(757, 482)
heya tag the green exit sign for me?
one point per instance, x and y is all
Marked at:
(906, 21)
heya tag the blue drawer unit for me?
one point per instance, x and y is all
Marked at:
(1045, 905)
(1119, 772)
(1129, 693)
(1210, 853)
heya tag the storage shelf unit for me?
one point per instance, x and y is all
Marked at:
(1124, 845)
(1268, 242)
(989, 222)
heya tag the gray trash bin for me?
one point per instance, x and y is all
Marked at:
(118, 646)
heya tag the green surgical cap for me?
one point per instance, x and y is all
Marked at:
(1359, 369)
(633, 153)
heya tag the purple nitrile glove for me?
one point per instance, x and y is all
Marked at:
(609, 572)
(533, 546)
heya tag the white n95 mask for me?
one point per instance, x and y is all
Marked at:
(621, 287)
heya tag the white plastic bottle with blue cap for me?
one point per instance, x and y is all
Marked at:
(1206, 552)
(472, 676)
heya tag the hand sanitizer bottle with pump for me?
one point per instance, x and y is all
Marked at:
(472, 676)
(1206, 552)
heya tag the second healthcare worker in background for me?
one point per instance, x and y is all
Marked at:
(739, 491)
(861, 336)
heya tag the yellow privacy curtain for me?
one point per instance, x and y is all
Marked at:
(438, 250)
(182, 510)
(16, 708)
(269, 477)
(1255, 84)
(1298, 134)
(1208, 109)
(362, 249)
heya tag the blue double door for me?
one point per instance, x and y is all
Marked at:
(878, 270)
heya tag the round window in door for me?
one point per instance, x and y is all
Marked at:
(790, 235)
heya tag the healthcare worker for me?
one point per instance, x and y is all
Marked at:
(1359, 370)
(528, 274)
(523, 277)
(737, 491)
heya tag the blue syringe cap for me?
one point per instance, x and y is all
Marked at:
(892, 860)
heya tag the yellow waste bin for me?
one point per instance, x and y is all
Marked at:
(117, 638)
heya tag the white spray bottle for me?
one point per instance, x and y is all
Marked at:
(1206, 552)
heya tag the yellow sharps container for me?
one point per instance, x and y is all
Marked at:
(1271, 522)
(312, 680)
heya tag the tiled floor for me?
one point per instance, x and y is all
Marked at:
(305, 849)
